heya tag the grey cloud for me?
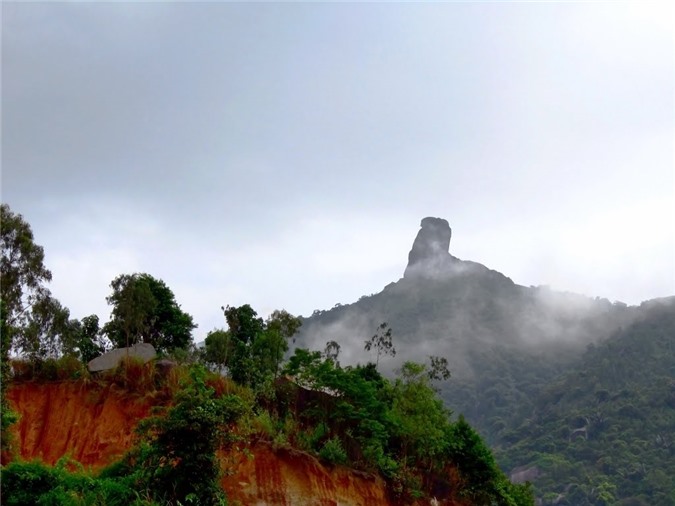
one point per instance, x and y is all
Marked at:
(225, 125)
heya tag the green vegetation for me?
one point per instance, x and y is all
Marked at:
(145, 310)
(572, 393)
(174, 461)
(602, 433)
(351, 415)
(176, 458)
(33, 483)
(400, 429)
(251, 349)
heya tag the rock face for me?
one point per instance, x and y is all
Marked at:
(111, 360)
(430, 255)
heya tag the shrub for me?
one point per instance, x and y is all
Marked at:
(264, 426)
(70, 367)
(46, 370)
(134, 375)
(25, 483)
(176, 459)
(333, 452)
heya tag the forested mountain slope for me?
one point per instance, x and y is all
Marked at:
(503, 341)
(177, 413)
(605, 430)
(524, 358)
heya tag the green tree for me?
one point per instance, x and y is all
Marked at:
(475, 461)
(145, 310)
(27, 310)
(256, 347)
(279, 328)
(244, 328)
(419, 416)
(439, 368)
(332, 351)
(45, 331)
(83, 338)
(33, 320)
(22, 266)
(382, 342)
(303, 363)
(177, 458)
(217, 348)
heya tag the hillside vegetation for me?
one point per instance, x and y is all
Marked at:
(344, 416)
(238, 390)
(602, 433)
(534, 370)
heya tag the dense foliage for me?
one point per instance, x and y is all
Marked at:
(536, 372)
(145, 310)
(174, 461)
(602, 433)
(588, 414)
(33, 483)
(251, 350)
(351, 416)
(400, 429)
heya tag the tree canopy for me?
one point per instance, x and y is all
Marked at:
(145, 310)
(252, 348)
(382, 342)
(23, 272)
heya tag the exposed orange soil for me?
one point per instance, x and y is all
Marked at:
(91, 424)
(95, 426)
(289, 477)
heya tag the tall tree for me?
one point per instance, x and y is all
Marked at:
(418, 415)
(25, 301)
(45, 331)
(83, 338)
(145, 310)
(244, 328)
(279, 328)
(24, 275)
(332, 351)
(217, 348)
(256, 347)
(34, 323)
(382, 342)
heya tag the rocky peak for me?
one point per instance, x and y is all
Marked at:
(430, 251)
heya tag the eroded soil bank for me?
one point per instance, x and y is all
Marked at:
(95, 425)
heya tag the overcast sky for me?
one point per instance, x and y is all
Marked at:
(284, 154)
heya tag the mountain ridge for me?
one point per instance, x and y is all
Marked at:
(507, 345)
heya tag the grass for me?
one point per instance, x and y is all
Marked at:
(67, 367)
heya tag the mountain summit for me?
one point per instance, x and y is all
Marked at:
(553, 379)
(430, 254)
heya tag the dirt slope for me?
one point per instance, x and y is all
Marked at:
(95, 426)
(289, 477)
(90, 424)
